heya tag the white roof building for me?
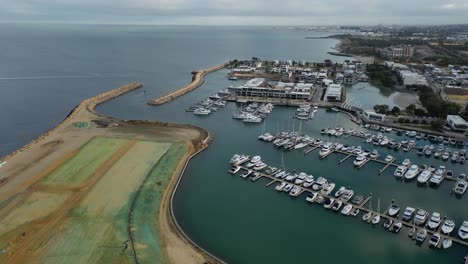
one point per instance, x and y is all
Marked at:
(457, 123)
(333, 92)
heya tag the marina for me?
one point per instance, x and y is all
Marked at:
(289, 141)
(388, 217)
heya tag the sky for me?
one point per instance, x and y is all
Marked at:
(236, 12)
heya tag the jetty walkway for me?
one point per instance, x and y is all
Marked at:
(197, 80)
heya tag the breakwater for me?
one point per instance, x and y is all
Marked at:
(89, 104)
(197, 80)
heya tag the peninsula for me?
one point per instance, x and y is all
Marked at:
(98, 189)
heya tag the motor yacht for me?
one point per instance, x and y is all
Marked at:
(421, 235)
(355, 212)
(434, 221)
(340, 191)
(337, 205)
(393, 210)
(424, 176)
(388, 223)
(397, 227)
(320, 199)
(367, 216)
(463, 231)
(360, 160)
(448, 227)
(389, 158)
(412, 172)
(319, 183)
(421, 217)
(308, 181)
(347, 195)
(374, 154)
(280, 186)
(296, 190)
(434, 240)
(347, 209)
(376, 219)
(408, 214)
(288, 187)
(234, 170)
(311, 197)
(202, 111)
(325, 151)
(446, 243)
(328, 203)
(460, 187)
(406, 162)
(260, 166)
(437, 178)
(246, 174)
(400, 171)
(292, 177)
(358, 199)
(327, 188)
(300, 179)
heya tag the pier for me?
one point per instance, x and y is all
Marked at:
(362, 207)
(197, 80)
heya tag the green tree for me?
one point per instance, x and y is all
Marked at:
(437, 124)
(419, 112)
(396, 111)
(410, 108)
(381, 109)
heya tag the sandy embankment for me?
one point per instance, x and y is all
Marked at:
(197, 80)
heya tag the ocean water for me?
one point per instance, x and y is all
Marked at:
(47, 70)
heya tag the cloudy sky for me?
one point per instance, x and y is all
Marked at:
(236, 12)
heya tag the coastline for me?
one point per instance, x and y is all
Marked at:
(198, 79)
(170, 232)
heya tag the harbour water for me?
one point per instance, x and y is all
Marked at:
(237, 220)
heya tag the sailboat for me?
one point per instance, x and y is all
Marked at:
(376, 218)
(368, 215)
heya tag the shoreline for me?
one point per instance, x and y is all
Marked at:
(198, 79)
(85, 111)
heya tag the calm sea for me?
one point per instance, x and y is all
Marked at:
(46, 70)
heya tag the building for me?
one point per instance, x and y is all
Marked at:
(243, 69)
(457, 123)
(259, 88)
(333, 93)
(373, 116)
(412, 78)
(399, 52)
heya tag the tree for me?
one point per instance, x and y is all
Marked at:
(395, 111)
(419, 112)
(381, 109)
(410, 108)
(254, 58)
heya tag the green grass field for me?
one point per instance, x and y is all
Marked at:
(145, 216)
(90, 157)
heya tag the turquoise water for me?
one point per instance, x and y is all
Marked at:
(237, 220)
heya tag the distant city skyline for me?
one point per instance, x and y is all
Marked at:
(238, 12)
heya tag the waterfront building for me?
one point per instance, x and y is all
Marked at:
(243, 69)
(259, 88)
(333, 93)
(457, 123)
(403, 51)
(412, 78)
(373, 116)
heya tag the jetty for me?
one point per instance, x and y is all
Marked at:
(198, 79)
(362, 207)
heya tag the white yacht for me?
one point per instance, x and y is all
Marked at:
(280, 186)
(437, 178)
(421, 217)
(424, 176)
(361, 159)
(447, 243)
(337, 205)
(256, 159)
(384, 141)
(406, 162)
(327, 188)
(340, 191)
(260, 166)
(408, 213)
(348, 193)
(234, 170)
(301, 178)
(367, 216)
(201, 111)
(463, 231)
(328, 203)
(412, 172)
(393, 210)
(460, 187)
(308, 181)
(311, 197)
(434, 221)
(301, 145)
(296, 190)
(347, 209)
(421, 235)
(319, 184)
(376, 219)
(434, 240)
(389, 158)
(325, 151)
(448, 227)
(400, 171)
(252, 119)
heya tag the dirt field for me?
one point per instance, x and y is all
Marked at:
(96, 194)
